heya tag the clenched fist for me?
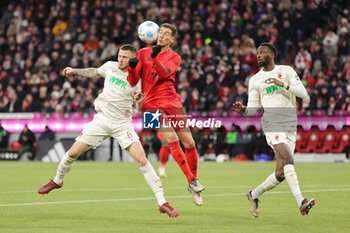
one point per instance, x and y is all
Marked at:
(68, 71)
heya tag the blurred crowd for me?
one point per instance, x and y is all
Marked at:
(216, 39)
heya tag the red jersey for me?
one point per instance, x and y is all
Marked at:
(158, 77)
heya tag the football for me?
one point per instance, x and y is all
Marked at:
(148, 32)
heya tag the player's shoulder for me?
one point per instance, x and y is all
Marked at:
(284, 68)
(146, 49)
(110, 64)
(255, 76)
(175, 55)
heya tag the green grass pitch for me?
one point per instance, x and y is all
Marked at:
(113, 197)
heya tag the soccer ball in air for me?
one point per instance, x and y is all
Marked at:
(148, 31)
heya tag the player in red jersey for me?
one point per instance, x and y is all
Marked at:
(156, 66)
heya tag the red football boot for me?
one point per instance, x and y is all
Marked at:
(166, 208)
(46, 188)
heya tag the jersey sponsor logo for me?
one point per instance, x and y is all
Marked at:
(279, 75)
(273, 88)
(151, 120)
(118, 82)
(277, 137)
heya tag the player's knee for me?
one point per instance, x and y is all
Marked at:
(74, 153)
(172, 137)
(164, 142)
(189, 144)
(141, 161)
(279, 175)
(287, 161)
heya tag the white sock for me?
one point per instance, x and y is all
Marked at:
(292, 180)
(154, 182)
(65, 165)
(268, 184)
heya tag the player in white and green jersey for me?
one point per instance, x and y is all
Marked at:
(275, 88)
(113, 119)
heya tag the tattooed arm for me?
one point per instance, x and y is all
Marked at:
(87, 72)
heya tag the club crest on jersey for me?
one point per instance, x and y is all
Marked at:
(279, 75)
(151, 120)
(277, 137)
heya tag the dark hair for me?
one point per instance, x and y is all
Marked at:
(270, 46)
(129, 47)
(171, 27)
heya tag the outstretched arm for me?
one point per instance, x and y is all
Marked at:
(87, 72)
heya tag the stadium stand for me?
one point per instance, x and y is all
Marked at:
(217, 41)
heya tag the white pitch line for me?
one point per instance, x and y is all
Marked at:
(151, 198)
(166, 188)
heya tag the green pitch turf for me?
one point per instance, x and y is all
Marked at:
(113, 197)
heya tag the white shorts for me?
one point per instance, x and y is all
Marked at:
(274, 138)
(101, 128)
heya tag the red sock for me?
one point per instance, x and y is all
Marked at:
(180, 158)
(192, 159)
(164, 155)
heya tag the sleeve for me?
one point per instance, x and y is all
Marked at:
(135, 74)
(253, 99)
(168, 68)
(102, 69)
(296, 87)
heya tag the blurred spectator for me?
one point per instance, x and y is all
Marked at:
(303, 58)
(198, 138)
(216, 39)
(245, 142)
(4, 138)
(219, 140)
(330, 44)
(27, 141)
(260, 144)
(231, 140)
(48, 134)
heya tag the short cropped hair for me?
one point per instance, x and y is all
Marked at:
(171, 27)
(129, 47)
(270, 46)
